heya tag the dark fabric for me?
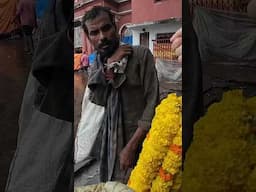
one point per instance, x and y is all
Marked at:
(52, 67)
(43, 160)
(27, 30)
(227, 45)
(251, 9)
(98, 84)
(192, 97)
(140, 91)
(53, 62)
(112, 137)
(229, 37)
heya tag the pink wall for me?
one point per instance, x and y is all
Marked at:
(125, 6)
(124, 19)
(148, 10)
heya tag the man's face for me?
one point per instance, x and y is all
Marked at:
(102, 34)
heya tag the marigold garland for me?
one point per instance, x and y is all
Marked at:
(164, 182)
(161, 153)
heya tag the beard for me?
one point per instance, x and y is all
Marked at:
(107, 48)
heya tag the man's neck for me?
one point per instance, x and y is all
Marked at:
(104, 57)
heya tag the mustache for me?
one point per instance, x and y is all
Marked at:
(104, 43)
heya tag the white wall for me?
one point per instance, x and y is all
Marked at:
(78, 39)
(154, 29)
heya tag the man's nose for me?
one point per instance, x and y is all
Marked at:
(102, 35)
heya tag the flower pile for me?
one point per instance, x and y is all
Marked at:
(222, 156)
(159, 165)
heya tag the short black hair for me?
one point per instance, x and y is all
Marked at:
(93, 13)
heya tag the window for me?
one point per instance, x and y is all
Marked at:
(78, 40)
(163, 37)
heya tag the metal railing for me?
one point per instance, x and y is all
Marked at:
(162, 50)
(226, 5)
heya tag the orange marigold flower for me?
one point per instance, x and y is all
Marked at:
(148, 135)
(176, 149)
(164, 175)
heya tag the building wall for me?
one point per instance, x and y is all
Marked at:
(149, 10)
(124, 6)
(153, 30)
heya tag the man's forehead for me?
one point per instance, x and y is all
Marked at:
(102, 19)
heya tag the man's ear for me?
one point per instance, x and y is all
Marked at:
(251, 9)
(89, 40)
(87, 36)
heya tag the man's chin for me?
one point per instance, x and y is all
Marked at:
(105, 52)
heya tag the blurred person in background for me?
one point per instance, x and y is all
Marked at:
(26, 16)
(84, 61)
(77, 59)
(41, 9)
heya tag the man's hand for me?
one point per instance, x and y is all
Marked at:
(128, 154)
(127, 157)
(176, 41)
(122, 51)
(109, 74)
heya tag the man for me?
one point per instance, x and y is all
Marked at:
(123, 79)
(27, 15)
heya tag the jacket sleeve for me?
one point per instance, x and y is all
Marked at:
(149, 80)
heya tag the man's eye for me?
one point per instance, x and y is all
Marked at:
(106, 28)
(93, 33)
